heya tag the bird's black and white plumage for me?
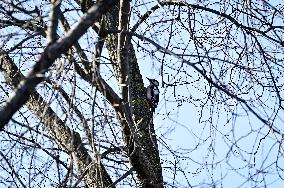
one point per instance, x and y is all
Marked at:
(153, 94)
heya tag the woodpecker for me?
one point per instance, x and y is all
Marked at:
(153, 94)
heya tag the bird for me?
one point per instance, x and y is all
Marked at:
(153, 94)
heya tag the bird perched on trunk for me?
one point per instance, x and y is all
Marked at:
(153, 94)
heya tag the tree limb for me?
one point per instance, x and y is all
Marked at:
(52, 52)
(65, 137)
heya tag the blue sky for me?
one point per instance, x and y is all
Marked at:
(221, 143)
(227, 141)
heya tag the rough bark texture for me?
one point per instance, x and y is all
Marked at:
(95, 175)
(146, 162)
(145, 157)
(133, 112)
(51, 52)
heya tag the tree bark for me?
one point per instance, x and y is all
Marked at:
(145, 157)
(93, 172)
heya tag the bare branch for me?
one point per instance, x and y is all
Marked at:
(216, 85)
(195, 6)
(122, 177)
(54, 15)
(65, 137)
(47, 58)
